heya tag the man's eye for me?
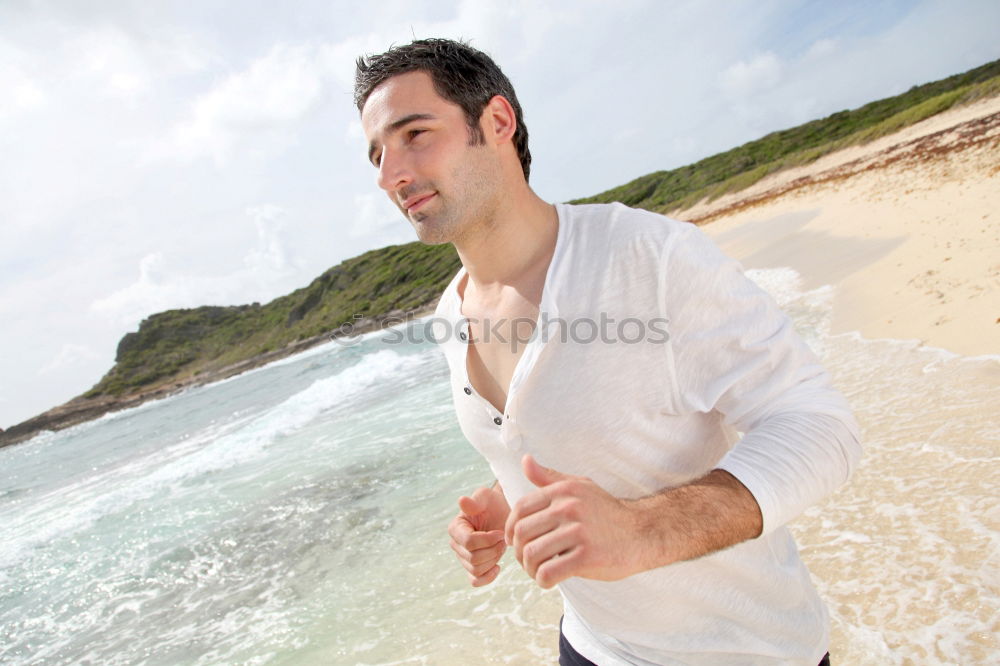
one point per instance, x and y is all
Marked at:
(414, 132)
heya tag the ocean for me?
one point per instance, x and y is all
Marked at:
(296, 514)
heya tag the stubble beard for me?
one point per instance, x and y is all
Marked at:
(437, 227)
(454, 219)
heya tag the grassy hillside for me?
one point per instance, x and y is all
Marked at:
(178, 344)
(736, 169)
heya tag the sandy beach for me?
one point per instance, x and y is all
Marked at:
(902, 237)
(905, 228)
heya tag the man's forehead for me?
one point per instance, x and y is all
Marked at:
(402, 95)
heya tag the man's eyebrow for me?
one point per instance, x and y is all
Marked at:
(396, 124)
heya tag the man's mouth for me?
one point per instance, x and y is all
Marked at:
(415, 203)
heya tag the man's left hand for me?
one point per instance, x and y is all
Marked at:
(570, 526)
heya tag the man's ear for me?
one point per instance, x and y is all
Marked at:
(499, 121)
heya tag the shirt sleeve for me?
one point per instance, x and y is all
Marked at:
(734, 351)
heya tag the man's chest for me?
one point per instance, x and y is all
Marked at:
(499, 334)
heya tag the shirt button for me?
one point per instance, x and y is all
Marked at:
(467, 390)
(462, 335)
(498, 420)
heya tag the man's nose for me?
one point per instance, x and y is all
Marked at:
(393, 171)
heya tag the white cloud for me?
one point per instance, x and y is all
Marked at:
(270, 254)
(379, 222)
(821, 48)
(144, 296)
(70, 355)
(23, 93)
(273, 93)
(744, 79)
(338, 58)
(354, 135)
(267, 271)
(26, 95)
(112, 58)
(179, 52)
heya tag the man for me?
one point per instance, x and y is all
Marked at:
(621, 476)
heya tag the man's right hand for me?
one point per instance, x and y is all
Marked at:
(477, 533)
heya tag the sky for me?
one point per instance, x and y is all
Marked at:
(158, 155)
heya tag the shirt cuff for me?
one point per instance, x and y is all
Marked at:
(792, 461)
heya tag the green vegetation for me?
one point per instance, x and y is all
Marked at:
(737, 169)
(177, 344)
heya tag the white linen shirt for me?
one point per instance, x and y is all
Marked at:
(651, 353)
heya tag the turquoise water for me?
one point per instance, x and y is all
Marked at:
(296, 514)
(246, 521)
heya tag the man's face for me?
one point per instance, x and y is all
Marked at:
(420, 144)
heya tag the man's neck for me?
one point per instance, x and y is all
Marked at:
(516, 243)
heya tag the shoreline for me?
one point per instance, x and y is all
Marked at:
(80, 409)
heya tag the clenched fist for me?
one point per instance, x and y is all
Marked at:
(569, 526)
(477, 533)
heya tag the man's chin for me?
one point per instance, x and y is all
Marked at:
(432, 239)
(428, 234)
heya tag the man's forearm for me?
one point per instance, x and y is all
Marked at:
(570, 526)
(707, 515)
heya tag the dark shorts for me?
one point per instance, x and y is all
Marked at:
(570, 657)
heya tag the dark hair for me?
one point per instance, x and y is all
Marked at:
(461, 74)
